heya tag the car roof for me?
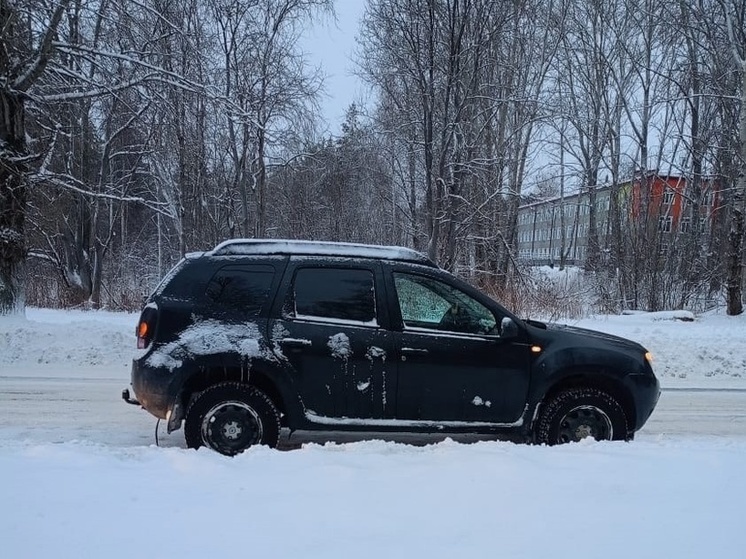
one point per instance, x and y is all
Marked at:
(251, 247)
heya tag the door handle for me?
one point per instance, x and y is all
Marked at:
(413, 351)
(295, 343)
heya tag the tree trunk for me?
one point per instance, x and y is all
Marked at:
(734, 281)
(260, 227)
(734, 264)
(12, 202)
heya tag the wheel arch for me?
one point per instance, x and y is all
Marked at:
(230, 417)
(257, 377)
(591, 378)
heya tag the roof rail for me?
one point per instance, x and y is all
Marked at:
(248, 247)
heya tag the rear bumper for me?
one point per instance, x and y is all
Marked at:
(153, 388)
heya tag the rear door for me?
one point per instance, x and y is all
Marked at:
(331, 331)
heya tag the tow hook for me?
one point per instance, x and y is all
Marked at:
(129, 399)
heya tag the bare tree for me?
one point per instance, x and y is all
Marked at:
(735, 14)
(459, 83)
(26, 47)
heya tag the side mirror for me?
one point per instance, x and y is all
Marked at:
(508, 328)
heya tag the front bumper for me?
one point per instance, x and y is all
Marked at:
(646, 391)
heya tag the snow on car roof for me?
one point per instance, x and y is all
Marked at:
(318, 248)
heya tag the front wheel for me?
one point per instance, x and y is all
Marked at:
(230, 417)
(577, 413)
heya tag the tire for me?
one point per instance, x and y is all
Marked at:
(230, 417)
(578, 413)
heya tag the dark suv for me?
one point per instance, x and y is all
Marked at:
(255, 335)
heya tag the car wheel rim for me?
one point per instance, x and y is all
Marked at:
(231, 427)
(585, 421)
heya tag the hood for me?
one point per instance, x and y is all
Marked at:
(586, 334)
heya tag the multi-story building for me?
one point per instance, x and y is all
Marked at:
(547, 229)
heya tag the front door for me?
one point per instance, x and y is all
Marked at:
(453, 366)
(330, 334)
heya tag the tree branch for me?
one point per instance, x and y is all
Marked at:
(43, 53)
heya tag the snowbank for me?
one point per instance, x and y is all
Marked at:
(67, 343)
(668, 498)
(708, 351)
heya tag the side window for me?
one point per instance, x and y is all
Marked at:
(241, 289)
(335, 294)
(184, 281)
(428, 303)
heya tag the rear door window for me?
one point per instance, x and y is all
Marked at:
(335, 294)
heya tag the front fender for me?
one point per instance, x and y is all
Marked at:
(600, 367)
(553, 366)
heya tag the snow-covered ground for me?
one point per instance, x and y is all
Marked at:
(708, 352)
(67, 344)
(661, 499)
(80, 477)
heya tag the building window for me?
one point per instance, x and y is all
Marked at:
(664, 224)
(708, 200)
(685, 225)
(668, 197)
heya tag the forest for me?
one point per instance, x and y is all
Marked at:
(133, 132)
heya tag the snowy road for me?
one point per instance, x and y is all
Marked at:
(699, 412)
(43, 409)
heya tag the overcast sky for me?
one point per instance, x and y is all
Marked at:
(331, 45)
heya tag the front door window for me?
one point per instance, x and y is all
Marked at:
(426, 303)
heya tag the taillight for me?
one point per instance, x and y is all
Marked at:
(142, 335)
(146, 327)
(142, 330)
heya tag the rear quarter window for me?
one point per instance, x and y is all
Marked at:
(185, 281)
(242, 290)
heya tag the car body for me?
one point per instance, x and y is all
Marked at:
(255, 335)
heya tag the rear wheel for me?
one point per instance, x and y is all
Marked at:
(231, 417)
(577, 413)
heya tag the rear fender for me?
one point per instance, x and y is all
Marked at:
(265, 376)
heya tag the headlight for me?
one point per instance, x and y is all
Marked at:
(649, 357)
